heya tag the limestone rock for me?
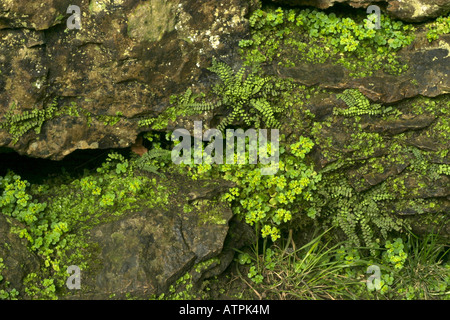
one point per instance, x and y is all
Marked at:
(129, 56)
(411, 11)
(142, 254)
(428, 74)
(17, 259)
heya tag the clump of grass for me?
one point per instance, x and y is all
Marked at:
(426, 274)
(320, 270)
(311, 272)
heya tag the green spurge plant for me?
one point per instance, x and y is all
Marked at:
(270, 202)
(318, 37)
(438, 27)
(246, 97)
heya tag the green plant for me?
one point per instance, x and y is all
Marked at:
(269, 202)
(110, 120)
(358, 105)
(293, 36)
(116, 161)
(414, 269)
(424, 275)
(183, 288)
(246, 97)
(313, 271)
(330, 270)
(6, 293)
(37, 289)
(360, 215)
(178, 107)
(438, 27)
(254, 275)
(395, 254)
(19, 124)
(56, 229)
(444, 169)
(153, 160)
(42, 234)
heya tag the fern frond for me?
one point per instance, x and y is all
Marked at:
(150, 160)
(246, 96)
(358, 105)
(205, 106)
(224, 71)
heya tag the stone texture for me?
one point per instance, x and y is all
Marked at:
(411, 10)
(18, 260)
(129, 56)
(142, 254)
(428, 74)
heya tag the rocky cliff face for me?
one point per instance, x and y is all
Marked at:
(411, 11)
(127, 59)
(100, 86)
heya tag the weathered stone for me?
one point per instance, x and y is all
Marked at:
(424, 143)
(151, 20)
(404, 123)
(372, 177)
(142, 254)
(37, 15)
(428, 74)
(18, 260)
(129, 56)
(411, 11)
(322, 106)
(438, 188)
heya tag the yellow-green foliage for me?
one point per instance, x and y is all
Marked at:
(438, 27)
(270, 202)
(56, 229)
(293, 36)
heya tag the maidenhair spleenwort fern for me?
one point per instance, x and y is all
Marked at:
(19, 124)
(152, 160)
(358, 105)
(246, 96)
(362, 216)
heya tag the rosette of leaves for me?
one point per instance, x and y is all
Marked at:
(245, 96)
